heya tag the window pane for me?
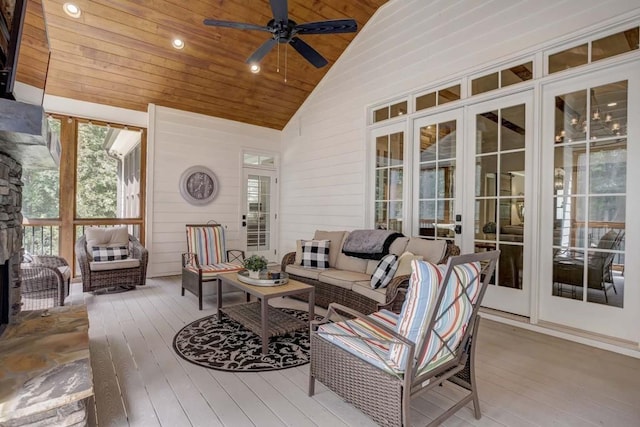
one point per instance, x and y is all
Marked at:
(446, 179)
(607, 209)
(608, 167)
(395, 216)
(427, 218)
(568, 221)
(396, 154)
(511, 165)
(570, 163)
(487, 132)
(517, 74)
(426, 101)
(398, 109)
(41, 187)
(449, 94)
(381, 114)
(395, 183)
(382, 189)
(570, 117)
(486, 218)
(103, 189)
(512, 129)
(609, 110)
(486, 172)
(428, 143)
(568, 58)
(382, 151)
(381, 215)
(427, 181)
(484, 83)
(615, 44)
(447, 140)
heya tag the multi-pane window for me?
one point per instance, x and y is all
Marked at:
(438, 97)
(590, 175)
(389, 181)
(602, 48)
(503, 78)
(437, 162)
(389, 111)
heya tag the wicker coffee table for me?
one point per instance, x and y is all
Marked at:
(259, 317)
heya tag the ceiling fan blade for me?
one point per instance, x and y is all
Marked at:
(280, 10)
(237, 25)
(309, 53)
(261, 51)
(327, 27)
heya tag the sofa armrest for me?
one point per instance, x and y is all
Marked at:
(51, 261)
(287, 259)
(452, 250)
(396, 290)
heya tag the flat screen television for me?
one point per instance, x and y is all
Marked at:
(11, 25)
(24, 50)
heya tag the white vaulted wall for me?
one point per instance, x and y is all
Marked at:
(406, 46)
(177, 141)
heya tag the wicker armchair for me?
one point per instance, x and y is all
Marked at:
(381, 361)
(45, 282)
(94, 279)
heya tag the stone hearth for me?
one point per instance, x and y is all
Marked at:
(45, 369)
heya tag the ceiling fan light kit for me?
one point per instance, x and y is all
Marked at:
(285, 31)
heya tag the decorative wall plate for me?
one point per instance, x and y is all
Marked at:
(198, 185)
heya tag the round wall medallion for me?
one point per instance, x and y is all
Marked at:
(198, 185)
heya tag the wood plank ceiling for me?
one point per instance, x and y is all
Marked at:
(119, 53)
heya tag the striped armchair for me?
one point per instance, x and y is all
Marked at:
(381, 361)
(206, 257)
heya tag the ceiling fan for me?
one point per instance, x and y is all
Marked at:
(285, 30)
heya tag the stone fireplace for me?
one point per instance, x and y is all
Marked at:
(10, 239)
(45, 367)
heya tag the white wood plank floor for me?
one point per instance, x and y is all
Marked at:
(525, 378)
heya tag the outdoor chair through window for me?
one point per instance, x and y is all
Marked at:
(207, 257)
(569, 269)
(381, 361)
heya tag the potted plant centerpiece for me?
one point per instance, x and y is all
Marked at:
(254, 264)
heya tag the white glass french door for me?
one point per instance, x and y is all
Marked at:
(258, 218)
(590, 205)
(437, 175)
(498, 189)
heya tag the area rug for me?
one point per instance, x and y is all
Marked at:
(228, 346)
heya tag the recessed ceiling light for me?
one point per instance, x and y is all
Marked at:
(255, 68)
(177, 43)
(612, 104)
(72, 10)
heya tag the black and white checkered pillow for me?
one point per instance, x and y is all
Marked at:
(384, 271)
(109, 253)
(315, 253)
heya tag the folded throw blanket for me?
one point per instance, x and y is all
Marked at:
(369, 244)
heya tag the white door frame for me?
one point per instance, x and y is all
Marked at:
(271, 253)
(516, 301)
(593, 317)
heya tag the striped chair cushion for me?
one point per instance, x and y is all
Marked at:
(454, 313)
(364, 341)
(416, 309)
(211, 271)
(208, 243)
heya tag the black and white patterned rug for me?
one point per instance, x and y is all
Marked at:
(228, 346)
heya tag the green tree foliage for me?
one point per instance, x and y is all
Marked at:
(97, 178)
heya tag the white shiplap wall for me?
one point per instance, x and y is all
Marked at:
(406, 46)
(177, 141)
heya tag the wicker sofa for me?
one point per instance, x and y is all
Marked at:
(347, 281)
